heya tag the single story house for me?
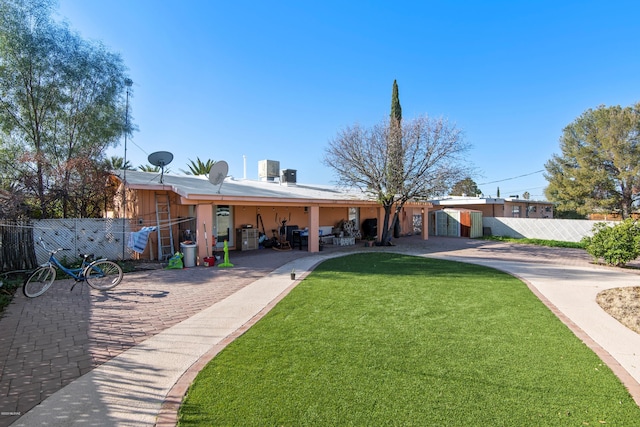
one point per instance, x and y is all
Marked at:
(512, 207)
(241, 211)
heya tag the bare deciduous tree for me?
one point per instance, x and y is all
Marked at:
(432, 161)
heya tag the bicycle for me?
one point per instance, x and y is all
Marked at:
(100, 274)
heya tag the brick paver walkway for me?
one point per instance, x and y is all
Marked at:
(49, 341)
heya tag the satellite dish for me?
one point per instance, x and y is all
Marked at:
(218, 173)
(160, 158)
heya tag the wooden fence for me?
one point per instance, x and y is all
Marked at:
(16, 245)
(19, 248)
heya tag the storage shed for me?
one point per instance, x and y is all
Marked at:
(456, 223)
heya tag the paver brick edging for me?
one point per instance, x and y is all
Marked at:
(168, 415)
(623, 375)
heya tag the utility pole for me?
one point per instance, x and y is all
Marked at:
(128, 83)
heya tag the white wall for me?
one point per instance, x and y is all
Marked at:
(566, 230)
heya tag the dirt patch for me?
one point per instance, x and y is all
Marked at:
(623, 304)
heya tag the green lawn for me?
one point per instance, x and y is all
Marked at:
(386, 339)
(537, 242)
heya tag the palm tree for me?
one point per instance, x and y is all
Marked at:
(198, 167)
(117, 163)
(149, 168)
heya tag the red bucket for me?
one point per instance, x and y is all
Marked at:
(209, 261)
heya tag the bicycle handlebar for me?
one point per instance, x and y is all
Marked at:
(51, 251)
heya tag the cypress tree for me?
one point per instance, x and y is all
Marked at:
(395, 164)
(396, 109)
(394, 148)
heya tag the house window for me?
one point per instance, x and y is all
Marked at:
(354, 215)
(515, 211)
(223, 225)
(547, 208)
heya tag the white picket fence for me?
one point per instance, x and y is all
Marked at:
(565, 230)
(105, 238)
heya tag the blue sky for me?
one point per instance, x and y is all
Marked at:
(278, 79)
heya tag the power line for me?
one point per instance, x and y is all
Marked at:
(141, 149)
(529, 189)
(515, 177)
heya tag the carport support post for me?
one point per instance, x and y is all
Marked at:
(380, 211)
(425, 223)
(204, 217)
(314, 229)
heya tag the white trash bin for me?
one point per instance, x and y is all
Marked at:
(189, 252)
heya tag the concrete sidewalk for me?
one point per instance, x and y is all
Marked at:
(131, 388)
(143, 385)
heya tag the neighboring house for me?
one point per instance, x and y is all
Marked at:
(512, 207)
(193, 206)
(611, 216)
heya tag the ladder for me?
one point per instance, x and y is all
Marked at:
(165, 231)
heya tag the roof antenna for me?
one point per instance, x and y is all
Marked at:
(160, 158)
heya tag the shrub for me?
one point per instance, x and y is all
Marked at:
(616, 245)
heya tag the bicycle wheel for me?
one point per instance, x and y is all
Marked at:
(39, 281)
(103, 275)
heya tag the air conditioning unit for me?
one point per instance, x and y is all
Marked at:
(268, 169)
(288, 176)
